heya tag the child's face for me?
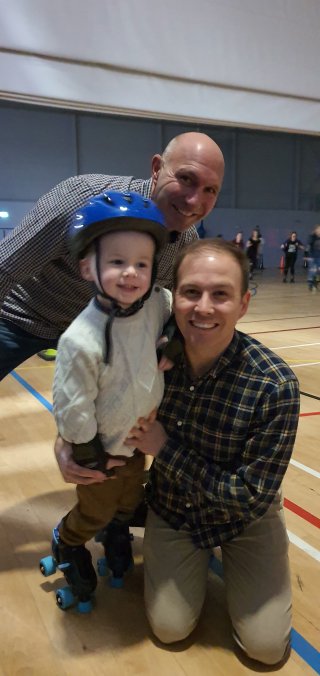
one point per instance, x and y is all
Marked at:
(126, 260)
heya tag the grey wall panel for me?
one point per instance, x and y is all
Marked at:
(16, 210)
(309, 183)
(265, 170)
(117, 146)
(38, 150)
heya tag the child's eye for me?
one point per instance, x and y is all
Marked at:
(116, 261)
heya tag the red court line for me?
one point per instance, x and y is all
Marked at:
(307, 516)
(303, 415)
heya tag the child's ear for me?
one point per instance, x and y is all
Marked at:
(85, 269)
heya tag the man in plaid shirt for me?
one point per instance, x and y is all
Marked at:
(222, 443)
(40, 287)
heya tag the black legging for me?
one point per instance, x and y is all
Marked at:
(289, 263)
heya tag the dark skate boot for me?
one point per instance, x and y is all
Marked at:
(76, 565)
(116, 540)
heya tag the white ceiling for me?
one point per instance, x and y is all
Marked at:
(239, 62)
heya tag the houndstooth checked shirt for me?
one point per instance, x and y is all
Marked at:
(231, 435)
(44, 289)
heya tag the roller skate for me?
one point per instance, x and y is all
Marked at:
(118, 559)
(76, 565)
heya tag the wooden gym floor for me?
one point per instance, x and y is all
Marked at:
(37, 638)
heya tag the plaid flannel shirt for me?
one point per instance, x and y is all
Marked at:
(44, 289)
(231, 435)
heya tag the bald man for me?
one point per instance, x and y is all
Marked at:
(40, 287)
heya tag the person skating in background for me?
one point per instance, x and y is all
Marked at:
(238, 240)
(291, 247)
(314, 259)
(252, 249)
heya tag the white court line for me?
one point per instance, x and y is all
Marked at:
(286, 347)
(305, 468)
(308, 549)
(310, 363)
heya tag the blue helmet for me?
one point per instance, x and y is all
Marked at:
(115, 211)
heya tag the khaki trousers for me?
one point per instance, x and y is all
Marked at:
(98, 503)
(256, 575)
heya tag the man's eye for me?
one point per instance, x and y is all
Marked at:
(191, 293)
(185, 179)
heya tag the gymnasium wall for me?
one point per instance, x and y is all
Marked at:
(272, 179)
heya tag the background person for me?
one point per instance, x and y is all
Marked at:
(291, 247)
(314, 259)
(41, 290)
(252, 250)
(238, 240)
(222, 443)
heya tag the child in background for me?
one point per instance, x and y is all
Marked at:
(107, 375)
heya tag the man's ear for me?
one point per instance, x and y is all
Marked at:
(155, 168)
(244, 304)
(85, 268)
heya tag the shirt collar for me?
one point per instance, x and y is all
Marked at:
(220, 364)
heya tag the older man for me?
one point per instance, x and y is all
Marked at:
(40, 287)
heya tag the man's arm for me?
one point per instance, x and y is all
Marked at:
(71, 472)
(38, 238)
(74, 473)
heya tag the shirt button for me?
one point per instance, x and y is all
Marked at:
(188, 505)
(191, 388)
(179, 423)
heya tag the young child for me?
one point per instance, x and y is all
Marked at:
(107, 375)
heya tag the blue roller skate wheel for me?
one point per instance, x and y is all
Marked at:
(216, 566)
(102, 567)
(48, 566)
(84, 607)
(64, 598)
(116, 582)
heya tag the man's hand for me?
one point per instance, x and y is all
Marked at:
(149, 437)
(74, 473)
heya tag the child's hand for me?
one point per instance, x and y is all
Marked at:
(165, 364)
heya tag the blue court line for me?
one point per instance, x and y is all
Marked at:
(32, 391)
(304, 649)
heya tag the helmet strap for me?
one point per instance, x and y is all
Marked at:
(115, 310)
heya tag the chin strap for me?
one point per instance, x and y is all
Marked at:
(115, 310)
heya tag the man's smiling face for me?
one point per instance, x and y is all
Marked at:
(208, 302)
(187, 180)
